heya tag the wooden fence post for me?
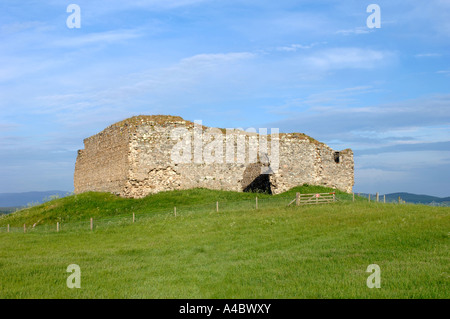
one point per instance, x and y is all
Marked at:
(134, 217)
(175, 211)
(378, 197)
(256, 202)
(217, 207)
(297, 199)
(92, 223)
(334, 197)
(57, 226)
(384, 198)
(8, 228)
(369, 198)
(353, 196)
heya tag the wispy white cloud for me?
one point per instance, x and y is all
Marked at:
(12, 68)
(323, 101)
(5, 127)
(295, 47)
(143, 4)
(357, 31)
(216, 58)
(352, 58)
(17, 27)
(424, 19)
(422, 120)
(183, 77)
(370, 175)
(96, 38)
(169, 3)
(428, 55)
(444, 72)
(418, 168)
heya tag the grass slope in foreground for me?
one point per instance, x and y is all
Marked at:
(274, 252)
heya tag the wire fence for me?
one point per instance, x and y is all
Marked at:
(103, 223)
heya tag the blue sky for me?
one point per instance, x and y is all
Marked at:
(301, 66)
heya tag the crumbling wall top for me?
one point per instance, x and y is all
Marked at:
(130, 125)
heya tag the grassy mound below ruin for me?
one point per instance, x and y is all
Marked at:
(317, 251)
(95, 205)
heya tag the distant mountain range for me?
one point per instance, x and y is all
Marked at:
(413, 198)
(23, 199)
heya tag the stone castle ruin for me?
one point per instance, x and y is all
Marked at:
(147, 154)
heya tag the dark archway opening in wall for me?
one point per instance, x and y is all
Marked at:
(261, 184)
(254, 181)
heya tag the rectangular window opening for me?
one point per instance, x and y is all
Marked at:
(336, 157)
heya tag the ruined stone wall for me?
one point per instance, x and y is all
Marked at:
(134, 158)
(303, 160)
(153, 170)
(337, 175)
(102, 166)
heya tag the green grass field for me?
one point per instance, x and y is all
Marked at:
(317, 251)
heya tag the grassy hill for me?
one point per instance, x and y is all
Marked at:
(317, 251)
(101, 205)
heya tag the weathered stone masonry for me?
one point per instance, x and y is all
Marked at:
(132, 158)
